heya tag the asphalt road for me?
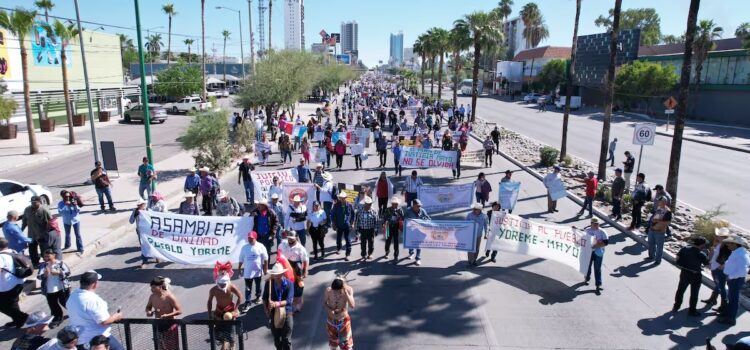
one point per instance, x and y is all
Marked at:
(709, 176)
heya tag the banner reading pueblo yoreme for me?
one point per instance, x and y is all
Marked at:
(440, 234)
(193, 240)
(412, 157)
(512, 233)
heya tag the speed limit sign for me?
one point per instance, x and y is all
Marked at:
(644, 134)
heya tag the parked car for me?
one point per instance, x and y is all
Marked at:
(575, 102)
(190, 103)
(546, 99)
(158, 113)
(17, 196)
(532, 97)
(218, 93)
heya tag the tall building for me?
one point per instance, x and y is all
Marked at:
(513, 32)
(302, 22)
(397, 48)
(349, 37)
(293, 24)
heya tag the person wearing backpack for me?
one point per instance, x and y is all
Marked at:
(11, 286)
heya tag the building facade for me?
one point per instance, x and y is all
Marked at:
(293, 25)
(535, 59)
(349, 37)
(513, 32)
(397, 49)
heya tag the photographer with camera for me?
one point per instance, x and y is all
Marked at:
(69, 208)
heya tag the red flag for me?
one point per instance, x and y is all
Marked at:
(288, 128)
(289, 274)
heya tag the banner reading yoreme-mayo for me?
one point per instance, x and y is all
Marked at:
(412, 157)
(512, 233)
(441, 198)
(262, 180)
(193, 240)
(305, 191)
(440, 234)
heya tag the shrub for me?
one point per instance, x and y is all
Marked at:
(548, 155)
(244, 138)
(208, 138)
(214, 101)
(706, 223)
(567, 161)
(627, 202)
(604, 193)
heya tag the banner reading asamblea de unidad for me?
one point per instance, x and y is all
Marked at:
(412, 157)
(514, 234)
(193, 240)
(262, 180)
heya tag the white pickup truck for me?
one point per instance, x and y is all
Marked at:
(191, 103)
(575, 102)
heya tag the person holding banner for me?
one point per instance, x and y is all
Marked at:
(393, 225)
(416, 212)
(411, 187)
(601, 240)
(549, 181)
(342, 219)
(188, 206)
(480, 230)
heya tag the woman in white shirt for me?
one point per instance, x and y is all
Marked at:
(318, 227)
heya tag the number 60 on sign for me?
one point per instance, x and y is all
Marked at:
(644, 134)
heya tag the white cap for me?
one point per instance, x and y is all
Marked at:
(367, 200)
(477, 206)
(275, 196)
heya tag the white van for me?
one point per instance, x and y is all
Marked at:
(575, 102)
(466, 84)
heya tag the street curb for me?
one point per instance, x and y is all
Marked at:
(47, 158)
(706, 277)
(731, 148)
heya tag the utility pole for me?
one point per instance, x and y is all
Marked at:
(144, 89)
(252, 38)
(88, 88)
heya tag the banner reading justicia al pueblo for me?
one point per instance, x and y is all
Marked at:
(412, 157)
(512, 233)
(192, 240)
(440, 234)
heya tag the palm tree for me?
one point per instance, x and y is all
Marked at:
(270, 11)
(168, 10)
(154, 44)
(225, 33)
(188, 42)
(429, 47)
(66, 33)
(46, 6)
(682, 98)
(460, 40)
(441, 44)
(20, 23)
(504, 9)
(483, 27)
(704, 43)
(609, 94)
(742, 31)
(569, 84)
(535, 30)
(420, 49)
(203, 47)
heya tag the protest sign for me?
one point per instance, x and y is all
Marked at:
(512, 233)
(406, 141)
(472, 159)
(320, 155)
(341, 135)
(509, 194)
(306, 191)
(440, 234)
(440, 198)
(288, 128)
(295, 131)
(364, 136)
(262, 180)
(261, 147)
(557, 189)
(356, 149)
(412, 157)
(301, 132)
(192, 240)
(319, 136)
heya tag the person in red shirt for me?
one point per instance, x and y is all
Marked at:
(588, 203)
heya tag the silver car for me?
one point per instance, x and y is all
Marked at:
(135, 113)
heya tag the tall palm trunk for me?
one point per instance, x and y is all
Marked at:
(440, 77)
(457, 69)
(475, 76)
(224, 61)
(682, 98)
(432, 76)
(188, 54)
(270, 11)
(66, 93)
(169, 40)
(203, 47)
(569, 83)
(424, 62)
(33, 147)
(610, 92)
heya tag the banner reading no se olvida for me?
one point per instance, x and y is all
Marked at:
(192, 240)
(512, 233)
(412, 157)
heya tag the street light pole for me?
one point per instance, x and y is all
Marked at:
(86, 82)
(144, 91)
(242, 52)
(252, 38)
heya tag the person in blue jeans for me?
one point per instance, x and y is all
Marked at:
(415, 212)
(657, 230)
(735, 270)
(342, 219)
(601, 240)
(277, 208)
(147, 175)
(70, 212)
(103, 185)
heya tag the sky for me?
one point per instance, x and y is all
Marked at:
(376, 19)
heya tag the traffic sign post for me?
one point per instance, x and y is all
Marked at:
(643, 134)
(668, 112)
(670, 104)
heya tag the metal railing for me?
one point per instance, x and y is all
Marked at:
(175, 334)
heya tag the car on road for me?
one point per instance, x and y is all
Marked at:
(218, 93)
(575, 102)
(466, 85)
(189, 103)
(532, 97)
(135, 113)
(17, 196)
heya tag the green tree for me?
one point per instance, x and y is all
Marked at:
(646, 19)
(207, 138)
(331, 77)
(441, 43)
(178, 80)
(504, 8)
(7, 107)
(569, 84)
(673, 39)
(420, 49)
(128, 52)
(20, 23)
(188, 42)
(742, 31)
(609, 90)
(46, 6)
(707, 32)
(535, 30)
(484, 27)
(552, 74)
(460, 40)
(168, 10)
(640, 80)
(65, 33)
(154, 44)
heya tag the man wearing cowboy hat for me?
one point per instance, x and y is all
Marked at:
(265, 223)
(192, 182)
(718, 256)
(365, 222)
(36, 324)
(327, 191)
(244, 170)
(188, 205)
(601, 240)
(227, 206)
(416, 212)
(342, 219)
(208, 190)
(480, 229)
(278, 296)
(690, 260)
(735, 269)
(393, 223)
(297, 218)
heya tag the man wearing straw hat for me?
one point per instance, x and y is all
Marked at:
(480, 229)
(278, 296)
(393, 224)
(207, 190)
(227, 206)
(342, 219)
(36, 324)
(188, 206)
(690, 260)
(265, 223)
(365, 221)
(192, 182)
(717, 257)
(735, 269)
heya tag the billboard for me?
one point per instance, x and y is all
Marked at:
(46, 49)
(345, 58)
(336, 36)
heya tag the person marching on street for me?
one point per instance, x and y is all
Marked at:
(495, 135)
(69, 209)
(162, 304)
(103, 185)
(489, 149)
(618, 188)
(147, 175)
(628, 165)
(296, 219)
(480, 227)
(601, 240)
(37, 218)
(611, 151)
(226, 307)
(657, 231)
(396, 149)
(11, 287)
(54, 275)
(365, 221)
(339, 297)
(227, 205)
(188, 206)
(549, 179)
(482, 189)
(592, 183)
(265, 223)
(719, 255)
(208, 191)
(247, 181)
(411, 187)
(317, 227)
(278, 297)
(383, 190)
(492, 254)
(299, 260)
(416, 212)
(393, 223)
(381, 145)
(690, 260)
(342, 219)
(254, 259)
(641, 194)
